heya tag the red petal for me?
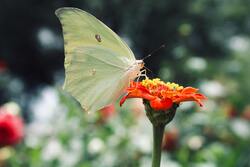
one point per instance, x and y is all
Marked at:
(188, 90)
(123, 99)
(190, 97)
(160, 104)
(137, 93)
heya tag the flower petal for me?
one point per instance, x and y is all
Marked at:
(188, 90)
(190, 97)
(161, 104)
(160, 95)
(137, 93)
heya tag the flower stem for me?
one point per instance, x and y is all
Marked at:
(158, 131)
(159, 120)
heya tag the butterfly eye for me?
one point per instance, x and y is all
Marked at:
(98, 37)
(142, 64)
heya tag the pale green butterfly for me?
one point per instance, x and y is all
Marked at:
(98, 63)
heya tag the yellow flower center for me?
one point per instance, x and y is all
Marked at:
(157, 83)
(174, 86)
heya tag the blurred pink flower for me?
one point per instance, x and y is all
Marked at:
(11, 129)
(107, 112)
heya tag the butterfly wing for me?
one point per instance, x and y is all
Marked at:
(96, 61)
(82, 29)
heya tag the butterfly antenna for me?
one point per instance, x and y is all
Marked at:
(150, 71)
(154, 51)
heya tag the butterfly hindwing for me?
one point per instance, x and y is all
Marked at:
(93, 81)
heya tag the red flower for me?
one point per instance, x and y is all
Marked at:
(170, 140)
(11, 129)
(161, 95)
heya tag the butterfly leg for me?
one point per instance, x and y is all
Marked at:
(143, 73)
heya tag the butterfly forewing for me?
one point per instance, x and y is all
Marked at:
(82, 29)
(96, 61)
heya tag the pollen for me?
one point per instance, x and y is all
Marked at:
(174, 86)
(150, 83)
(157, 83)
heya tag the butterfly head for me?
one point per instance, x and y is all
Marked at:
(140, 63)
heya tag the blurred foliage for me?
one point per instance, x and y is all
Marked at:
(207, 46)
(70, 137)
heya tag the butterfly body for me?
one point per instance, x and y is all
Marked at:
(98, 63)
(135, 69)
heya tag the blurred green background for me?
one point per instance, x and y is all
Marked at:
(207, 46)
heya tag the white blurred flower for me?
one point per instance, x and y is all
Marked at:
(73, 154)
(209, 105)
(198, 118)
(114, 140)
(196, 63)
(48, 117)
(140, 135)
(195, 142)
(32, 141)
(76, 144)
(120, 131)
(95, 146)
(212, 88)
(48, 39)
(69, 158)
(52, 150)
(241, 128)
(166, 161)
(35, 132)
(185, 106)
(47, 105)
(108, 159)
(142, 143)
(239, 43)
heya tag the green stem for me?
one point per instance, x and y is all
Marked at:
(158, 131)
(158, 119)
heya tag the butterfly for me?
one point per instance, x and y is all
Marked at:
(98, 64)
